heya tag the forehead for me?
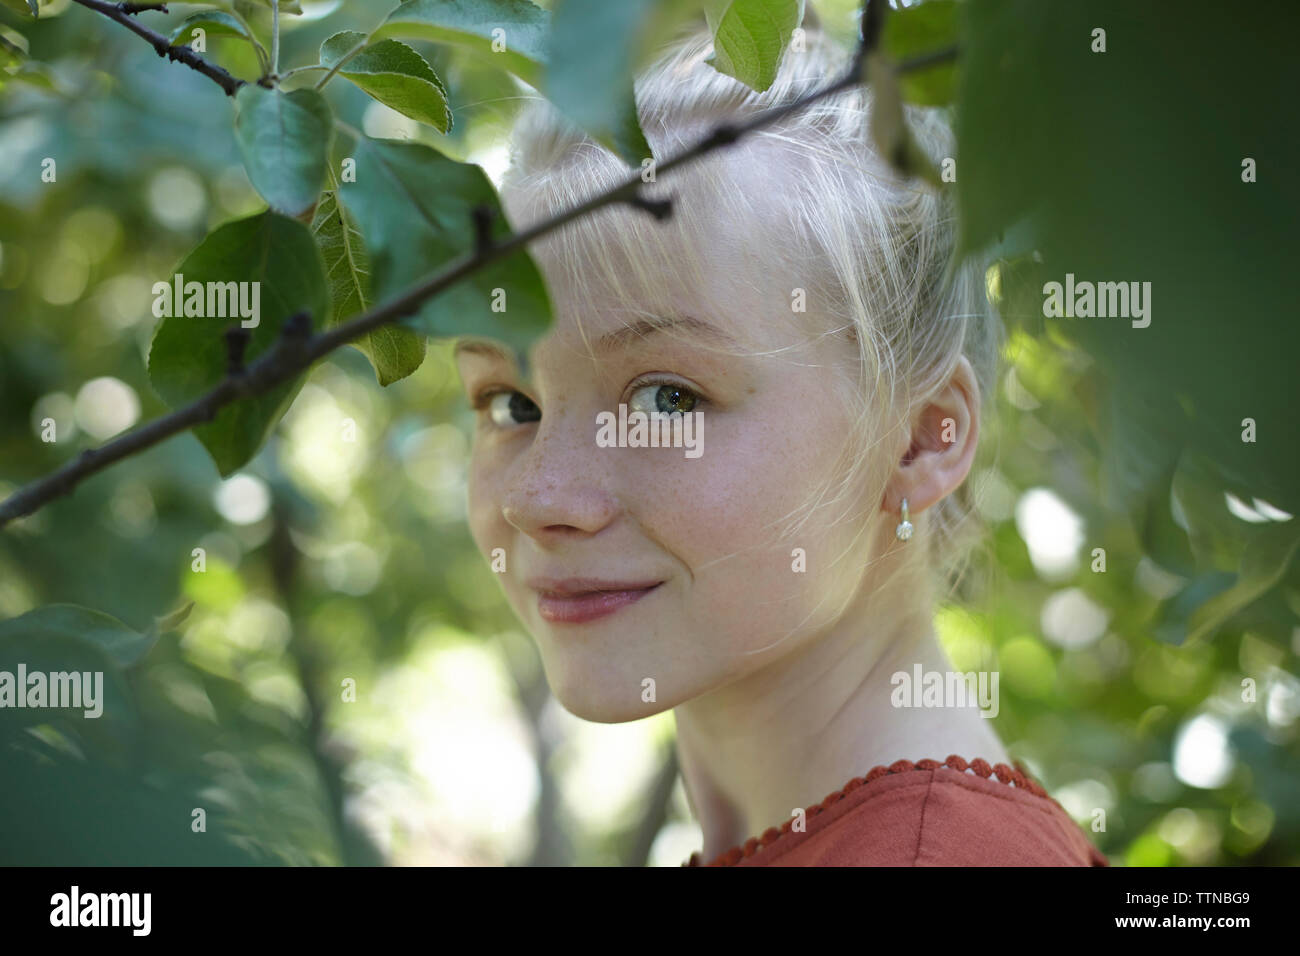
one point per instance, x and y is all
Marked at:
(725, 256)
(722, 312)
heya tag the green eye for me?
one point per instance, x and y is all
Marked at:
(665, 397)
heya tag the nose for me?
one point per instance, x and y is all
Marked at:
(560, 486)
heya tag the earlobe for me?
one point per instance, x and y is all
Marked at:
(941, 450)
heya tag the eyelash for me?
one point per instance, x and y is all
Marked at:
(480, 400)
(484, 396)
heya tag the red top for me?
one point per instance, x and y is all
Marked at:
(926, 814)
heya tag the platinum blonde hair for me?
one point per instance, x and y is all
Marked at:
(874, 253)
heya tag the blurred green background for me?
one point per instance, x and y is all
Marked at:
(329, 558)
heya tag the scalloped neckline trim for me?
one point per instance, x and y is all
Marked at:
(1012, 775)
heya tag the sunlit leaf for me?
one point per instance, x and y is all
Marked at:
(516, 35)
(286, 6)
(13, 47)
(750, 37)
(214, 23)
(394, 74)
(926, 27)
(30, 8)
(189, 354)
(393, 350)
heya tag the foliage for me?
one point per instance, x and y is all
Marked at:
(1123, 165)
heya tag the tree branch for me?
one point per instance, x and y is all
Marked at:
(281, 362)
(121, 12)
(296, 349)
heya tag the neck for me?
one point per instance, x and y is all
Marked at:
(803, 725)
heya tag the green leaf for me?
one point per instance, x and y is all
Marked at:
(393, 350)
(1141, 448)
(519, 45)
(16, 68)
(923, 28)
(394, 74)
(65, 639)
(414, 207)
(293, 7)
(1080, 143)
(173, 620)
(121, 643)
(188, 357)
(1210, 601)
(750, 36)
(27, 7)
(284, 141)
(33, 74)
(594, 49)
(13, 47)
(216, 23)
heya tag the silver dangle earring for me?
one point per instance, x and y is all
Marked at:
(904, 529)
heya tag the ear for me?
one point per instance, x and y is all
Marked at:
(943, 438)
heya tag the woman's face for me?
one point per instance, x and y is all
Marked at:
(703, 531)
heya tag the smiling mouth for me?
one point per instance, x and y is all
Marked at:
(578, 608)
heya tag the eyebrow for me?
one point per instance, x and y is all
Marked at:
(619, 338)
(643, 328)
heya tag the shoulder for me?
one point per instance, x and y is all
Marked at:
(930, 814)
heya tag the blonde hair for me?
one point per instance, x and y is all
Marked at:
(875, 253)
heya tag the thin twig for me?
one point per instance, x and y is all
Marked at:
(161, 45)
(923, 61)
(482, 216)
(302, 69)
(275, 37)
(295, 350)
(338, 65)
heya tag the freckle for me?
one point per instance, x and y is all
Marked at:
(751, 390)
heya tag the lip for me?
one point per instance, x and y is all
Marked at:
(578, 600)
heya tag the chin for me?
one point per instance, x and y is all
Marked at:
(599, 699)
(601, 710)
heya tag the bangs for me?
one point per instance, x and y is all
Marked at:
(620, 260)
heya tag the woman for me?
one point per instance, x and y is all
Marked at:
(771, 573)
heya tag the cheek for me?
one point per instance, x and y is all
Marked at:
(753, 474)
(726, 521)
(483, 501)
